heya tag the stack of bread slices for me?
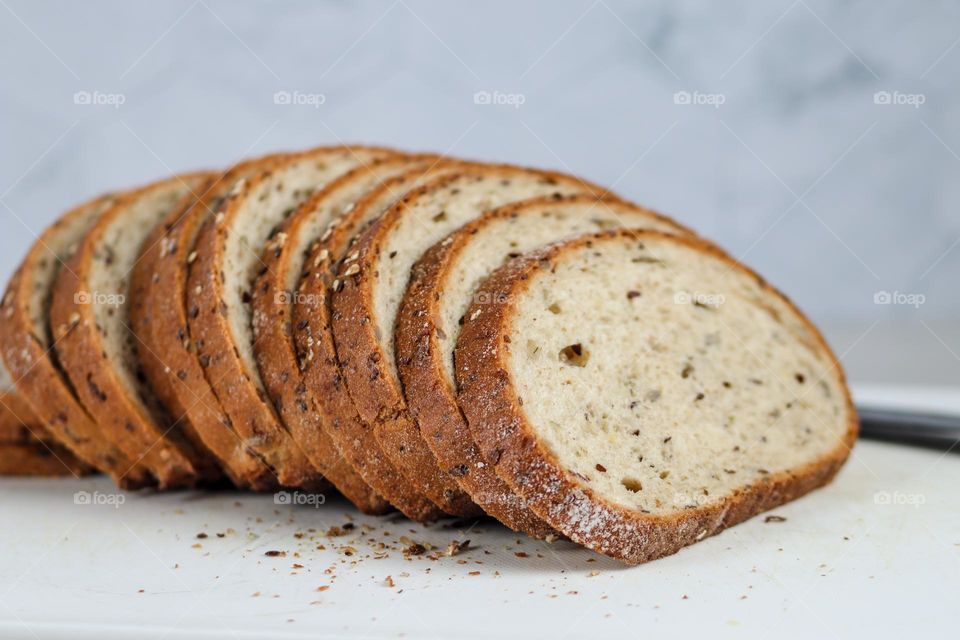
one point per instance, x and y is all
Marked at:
(436, 336)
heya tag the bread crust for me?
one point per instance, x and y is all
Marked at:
(251, 412)
(499, 426)
(38, 375)
(18, 423)
(80, 348)
(274, 337)
(159, 318)
(376, 391)
(316, 349)
(40, 460)
(26, 448)
(431, 399)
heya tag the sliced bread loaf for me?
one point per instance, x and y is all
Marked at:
(442, 286)
(26, 447)
(26, 342)
(643, 391)
(90, 319)
(274, 296)
(317, 353)
(220, 292)
(159, 319)
(373, 280)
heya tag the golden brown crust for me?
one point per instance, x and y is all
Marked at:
(499, 426)
(317, 351)
(80, 348)
(375, 389)
(159, 318)
(41, 380)
(252, 419)
(40, 460)
(26, 448)
(251, 412)
(432, 401)
(274, 340)
(18, 423)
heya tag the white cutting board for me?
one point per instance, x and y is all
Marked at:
(876, 554)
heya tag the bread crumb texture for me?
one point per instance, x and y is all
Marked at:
(679, 396)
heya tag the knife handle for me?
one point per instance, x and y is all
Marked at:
(937, 431)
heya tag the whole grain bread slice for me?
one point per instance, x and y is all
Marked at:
(220, 292)
(90, 319)
(373, 280)
(26, 447)
(27, 341)
(639, 424)
(274, 295)
(316, 350)
(443, 284)
(159, 318)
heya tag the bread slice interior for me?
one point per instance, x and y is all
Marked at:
(668, 390)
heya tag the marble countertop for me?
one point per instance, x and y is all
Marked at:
(818, 141)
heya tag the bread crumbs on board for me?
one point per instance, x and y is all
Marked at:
(356, 542)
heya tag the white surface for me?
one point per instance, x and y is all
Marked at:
(847, 562)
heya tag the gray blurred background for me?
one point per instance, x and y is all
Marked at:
(817, 141)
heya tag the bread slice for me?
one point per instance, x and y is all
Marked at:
(26, 448)
(219, 296)
(642, 391)
(26, 342)
(374, 278)
(442, 285)
(39, 460)
(317, 353)
(159, 319)
(90, 319)
(274, 295)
